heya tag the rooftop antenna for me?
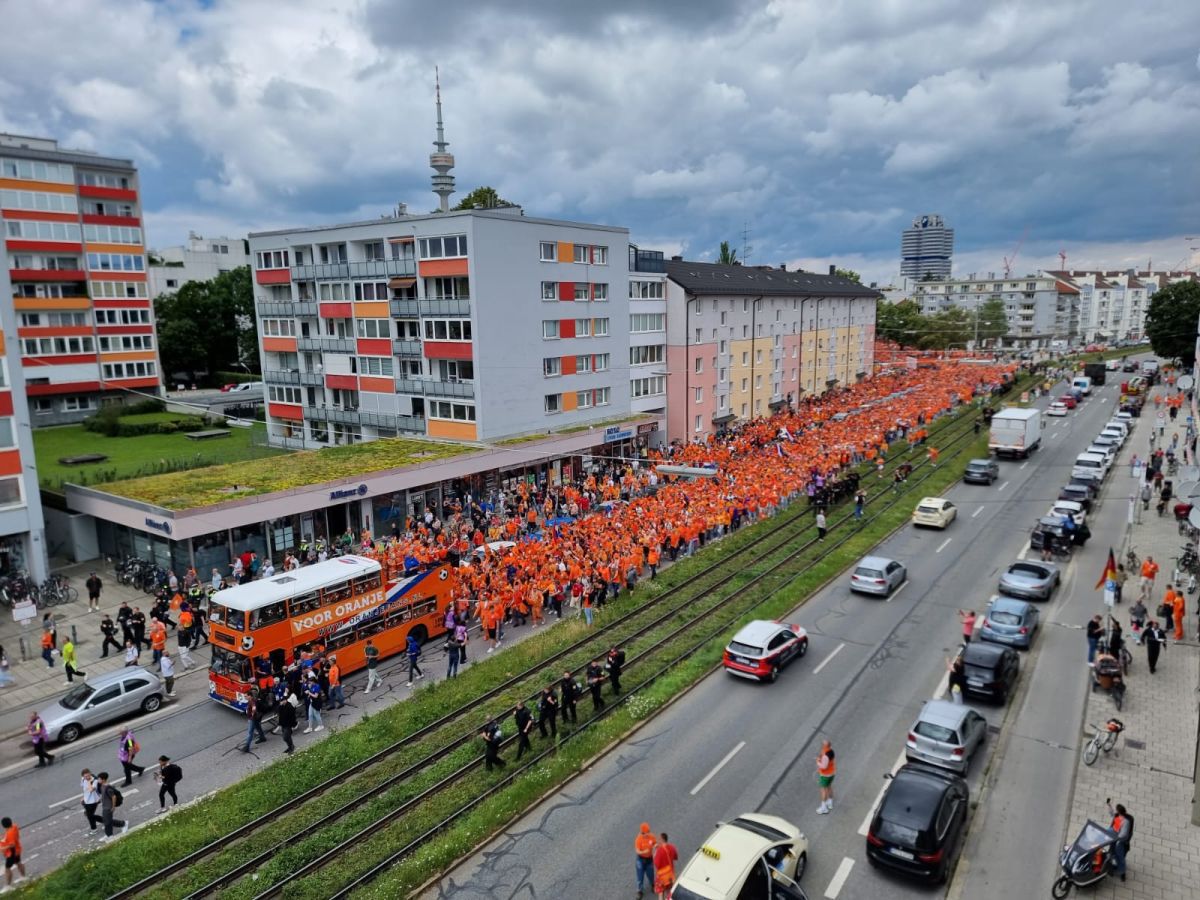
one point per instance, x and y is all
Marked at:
(747, 247)
(440, 160)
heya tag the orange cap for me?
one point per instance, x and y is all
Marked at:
(645, 828)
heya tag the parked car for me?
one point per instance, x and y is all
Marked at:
(981, 471)
(1058, 408)
(226, 388)
(762, 648)
(991, 670)
(1129, 365)
(877, 575)
(754, 855)
(1030, 580)
(921, 822)
(1070, 508)
(102, 699)
(934, 512)
(1010, 621)
(945, 734)
(247, 386)
(1113, 365)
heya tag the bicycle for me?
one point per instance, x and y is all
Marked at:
(1104, 740)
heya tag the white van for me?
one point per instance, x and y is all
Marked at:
(1082, 383)
(1094, 464)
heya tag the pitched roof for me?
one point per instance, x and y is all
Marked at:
(713, 278)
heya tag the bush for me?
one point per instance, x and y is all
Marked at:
(109, 421)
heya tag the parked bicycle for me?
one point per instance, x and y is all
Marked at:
(1104, 740)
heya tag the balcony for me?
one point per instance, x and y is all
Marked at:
(432, 387)
(376, 268)
(407, 308)
(409, 385)
(445, 306)
(326, 344)
(406, 347)
(275, 308)
(338, 414)
(281, 377)
(412, 424)
(312, 379)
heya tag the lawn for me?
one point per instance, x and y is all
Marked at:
(136, 456)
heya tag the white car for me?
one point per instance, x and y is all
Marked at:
(1064, 508)
(764, 647)
(1112, 431)
(934, 512)
(1057, 408)
(754, 855)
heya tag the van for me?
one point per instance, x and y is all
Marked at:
(1094, 464)
(1082, 383)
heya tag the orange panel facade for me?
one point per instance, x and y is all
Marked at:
(454, 431)
(433, 268)
(370, 310)
(10, 462)
(22, 184)
(279, 344)
(377, 385)
(39, 303)
(570, 401)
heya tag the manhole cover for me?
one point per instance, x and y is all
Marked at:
(1135, 745)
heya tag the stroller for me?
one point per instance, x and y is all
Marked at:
(1107, 676)
(1087, 861)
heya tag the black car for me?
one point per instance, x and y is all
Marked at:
(1079, 493)
(1129, 366)
(991, 670)
(921, 822)
(981, 471)
(1091, 482)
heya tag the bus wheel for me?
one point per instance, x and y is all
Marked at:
(421, 634)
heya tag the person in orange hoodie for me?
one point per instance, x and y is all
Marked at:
(1177, 612)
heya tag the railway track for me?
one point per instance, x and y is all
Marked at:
(420, 766)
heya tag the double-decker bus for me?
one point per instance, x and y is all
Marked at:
(258, 628)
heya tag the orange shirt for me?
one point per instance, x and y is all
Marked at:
(644, 845)
(12, 841)
(335, 675)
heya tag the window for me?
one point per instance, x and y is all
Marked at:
(600, 327)
(443, 247)
(6, 433)
(552, 403)
(600, 256)
(379, 366)
(698, 336)
(78, 403)
(757, 357)
(116, 262)
(583, 399)
(456, 412)
(723, 316)
(272, 259)
(745, 357)
(699, 395)
(600, 362)
(599, 292)
(279, 327)
(111, 234)
(549, 290)
(548, 251)
(603, 396)
(125, 343)
(371, 328)
(721, 375)
(447, 329)
(40, 201)
(551, 366)
(374, 250)
(583, 365)
(43, 406)
(64, 346)
(268, 615)
(583, 253)
(549, 329)
(447, 289)
(32, 170)
(699, 365)
(648, 387)
(583, 328)
(119, 289)
(699, 423)
(120, 316)
(371, 290)
(641, 323)
(646, 290)
(104, 179)
(54, 319)
(581, 292)
(129, 370)
(641, 356)
(43, 231)
(278, 393)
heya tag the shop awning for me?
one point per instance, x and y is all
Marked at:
(399, 283)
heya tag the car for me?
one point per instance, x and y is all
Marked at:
(1090, 480)
(1118, 424)
(945, 734)
(1129, 366)
(981, 471)
(1070, 508)
(877, 575)
(921, 822)
(1010, 621)
(1113, 365)
(226, 388)
(1107, 440)
(935, 512)
(247, 386)
(102, 699)
(991, 670)
(1089, 463)
(741, 859)
(1108, 451)
(1030, 579)
(1058, 408)
(1079, 493)
(1115, 432)
(762, 648)
(1068, 400)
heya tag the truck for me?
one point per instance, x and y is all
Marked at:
(1095, 371)
(1015, 432)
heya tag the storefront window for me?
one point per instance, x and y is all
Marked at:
(249, 538)
(212, 552)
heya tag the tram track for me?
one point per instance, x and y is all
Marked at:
(420, 759)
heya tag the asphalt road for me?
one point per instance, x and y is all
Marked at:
(732, 746)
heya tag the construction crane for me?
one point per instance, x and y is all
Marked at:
(1009, 260)
(1062, 260)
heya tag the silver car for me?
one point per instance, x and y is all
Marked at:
(101, 699)
(1010, 621)
(946, 735)
(877, 575)
(1030, 580)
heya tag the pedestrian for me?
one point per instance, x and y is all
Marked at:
(860, 501)
(10, 845)
(108, 629)
(70, 661)
(131, 653)
(48, 648)
(665, 857)
(90, 800)
(1155, 640)
(50, 627)
(199, 615)
(568, 691)
(1094, 631)
(137, 622)
(821, 525)
(337, 697)
(452, 651)
(1137, 619)
(523, 719)
(1166, 609)
(643, 849)
(826, 771)
(253, 721)
(158, 639)
(168, 775)
(1121, 578)
(287, 720)
(413, 650)
(956, 680)
(461, 637)
(127, 751)
(614, 664)
(39, 736)
(111, 800)
(312, 691)
(1122, 824)
(968, 624)
(491, 745)
(166, 665)
(93, 585)
(1149, 573)
(185, 654)
(1177, 614)
(372, 654)
(595, 680)
(548, 712)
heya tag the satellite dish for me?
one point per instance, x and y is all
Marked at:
(1185, 382)
(1194, 517)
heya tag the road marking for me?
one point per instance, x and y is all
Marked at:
(977, 512)
(897, 591)
(942, 545)
(127, 793)
(839, 878)
(1024, 464)
(717, 768)
(1053, 434)
(1002, 487)
(836, 651)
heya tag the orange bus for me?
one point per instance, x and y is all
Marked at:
(258, 628)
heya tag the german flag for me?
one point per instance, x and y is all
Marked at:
(1110, 570)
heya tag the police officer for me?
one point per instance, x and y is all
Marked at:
(548, 712)
(108, 628)
(491, 745)
(595, 680)
(616, 662)
(569, 692)
(524, 721)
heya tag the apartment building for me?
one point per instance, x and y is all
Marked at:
(647, 331)
(200, 259)
(468, 325)
(22, 531)
(1112, 305)
(1039, 308)
(76, 261)
(743, 341)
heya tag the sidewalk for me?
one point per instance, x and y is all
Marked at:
(1150, 771)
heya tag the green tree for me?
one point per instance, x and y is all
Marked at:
(485, 197)
(1171, 321)
(727, 256)
(208, 326)
(900, 322)
(850, 274)
(993, 320)
(951, 327)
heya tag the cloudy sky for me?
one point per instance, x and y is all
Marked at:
(822, 127)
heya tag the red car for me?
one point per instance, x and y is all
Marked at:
(226, 388)
(1069, 400)
(762, 648)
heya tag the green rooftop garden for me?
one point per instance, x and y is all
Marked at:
(249, 478)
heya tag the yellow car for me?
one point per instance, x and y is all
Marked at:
(753, 855)
(934, 512)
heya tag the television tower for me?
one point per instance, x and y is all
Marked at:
(440, 160)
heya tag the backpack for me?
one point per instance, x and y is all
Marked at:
(172, 774)
(117, 798)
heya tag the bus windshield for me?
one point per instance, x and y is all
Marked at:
(226, 662)
(223, 615)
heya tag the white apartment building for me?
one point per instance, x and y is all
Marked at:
(647, 331)
(1039, 308)
(1112, 305)
(200, 259)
